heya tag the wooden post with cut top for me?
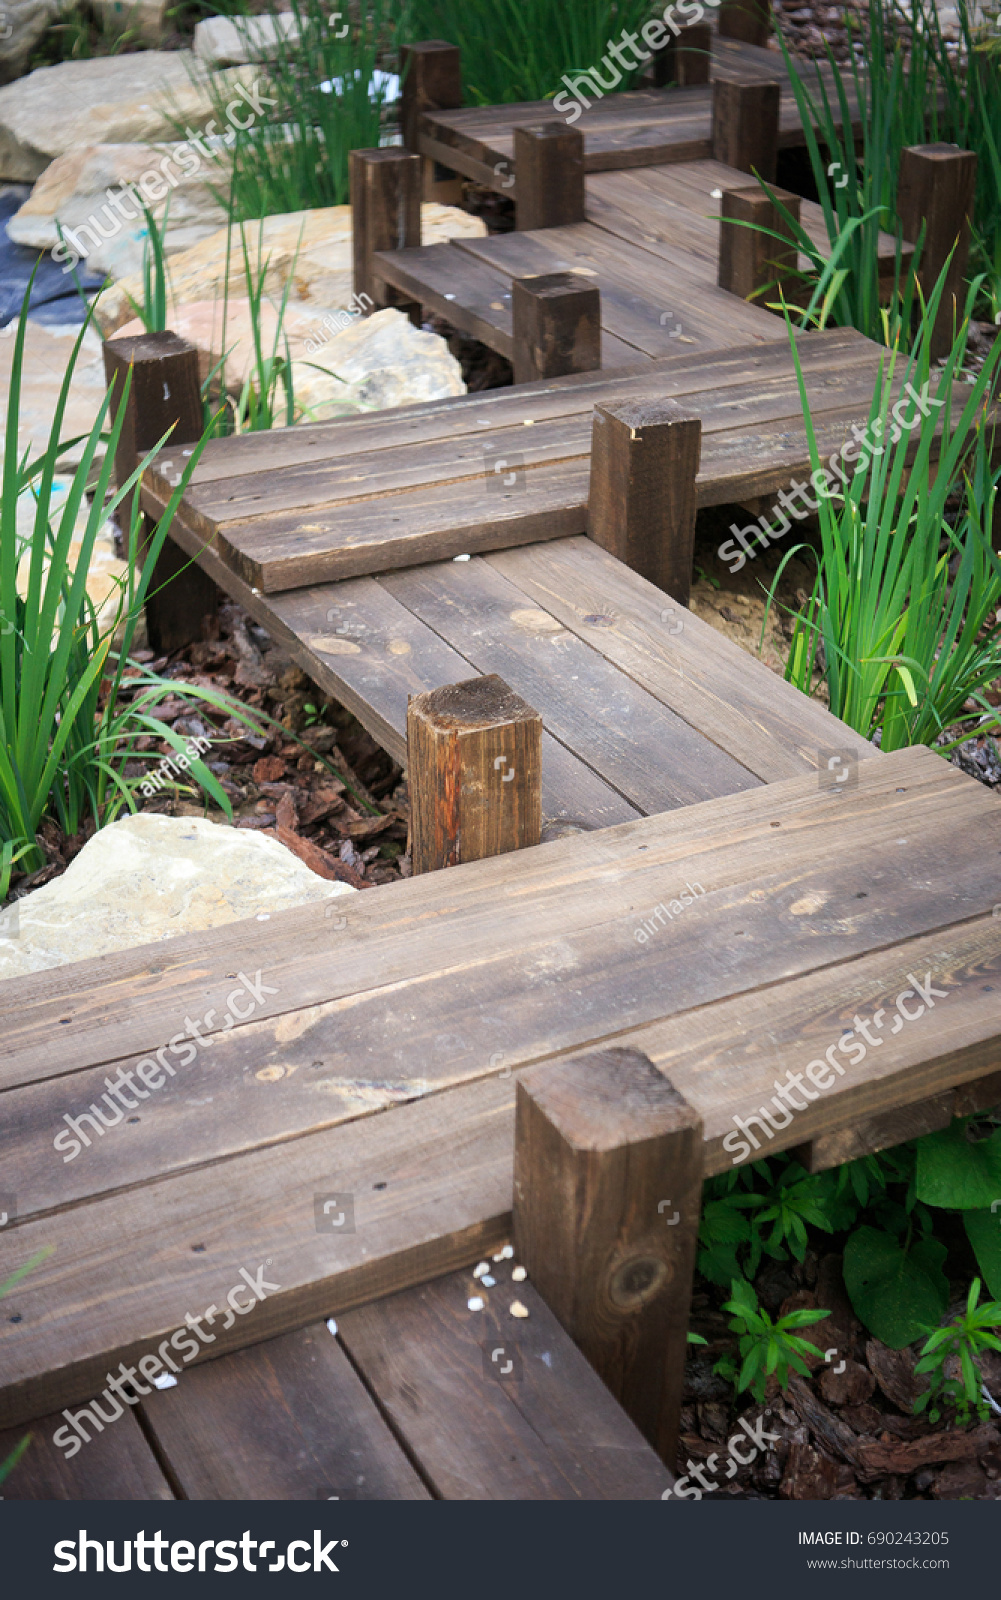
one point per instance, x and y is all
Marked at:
(746, 126)
(386, 215)
(556, 325)
(549, 176)
(747, 20)
(474, 764)
(608, 1164)
(165, 393)
(750, 259)
(935, 187)
(685, 60)
(431, 80)
(642, 502)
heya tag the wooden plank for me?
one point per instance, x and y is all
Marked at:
(870, 1134)
(129, 1269)
(763, 722)
(285, 1420)
(127, 1004)
(626, 736)
(476, 301)
(548, 1430)
(118, 1464)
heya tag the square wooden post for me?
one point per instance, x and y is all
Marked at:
(747, 20)
(474, 763)
(549, 176)
(746, 126)
(686, 59)
(608, 1164)
(642, 502)
(385, 215)
(936, 186)
(165, 393)
(431, 80)
(556, 325)
(749, 259)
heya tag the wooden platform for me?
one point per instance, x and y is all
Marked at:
(643, 128)
(381, 1063)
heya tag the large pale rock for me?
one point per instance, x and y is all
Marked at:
(151, 877)
(235, 41)
(46, 355)
(310, 248)
(145, 20)
(73, 194)
(120, 99)
(378, 361)
(22, 23)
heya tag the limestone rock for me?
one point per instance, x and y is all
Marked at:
(120, 99)
(73, 193)
(312, 248)
(151, 877)
(379, 360)
(145, 20)
(21, 26)
(234, 41)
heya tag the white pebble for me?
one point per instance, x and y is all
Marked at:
(507, 1252)
(166, 1380)
(487, 1281)
(332, 1326)
(481, 1268)
(519, 1275)
(518, 1310)
(476, 1303)
(499, 1256)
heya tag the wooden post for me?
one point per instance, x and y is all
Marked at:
(165, 391)
(749, 259)
(431, 80)
(549, 176)
(386, 215)
(474, 763)
(747, 20)
(936, 186)
(608, 1163)
(557, 326)
(746, 126)
(686, 59)
(641, 507)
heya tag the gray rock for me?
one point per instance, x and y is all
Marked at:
(22, 23)
(381, 360)
(233, 41)
(151, 877)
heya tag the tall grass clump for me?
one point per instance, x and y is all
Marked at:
(520, 49)
(903, 618)
(331, 94)
(76, 715)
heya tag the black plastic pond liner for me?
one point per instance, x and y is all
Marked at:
(54, 296)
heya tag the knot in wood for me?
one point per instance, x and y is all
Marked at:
(634, 1282)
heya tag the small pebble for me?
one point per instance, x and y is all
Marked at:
(487, 1281)
(332, 1326)
(507, 1252)
(499, 1256)
(519, 1275)
(518, 1310)
(166, 1380)
(475, 1303)
(481, 1268)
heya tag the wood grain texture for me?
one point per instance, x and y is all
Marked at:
(555, 326)
(288, 1419)
(607, 1194)
(936, 185)
(746, 125)
(546, 1430)
(431, 80)
(684, 60)
(751, 259)
(549, 164)
(474, 763)
(870, 1134)
(118, 1464)
(642, 500)
(386, 213)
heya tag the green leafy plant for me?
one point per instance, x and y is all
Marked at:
(765, 1347)
(76, 717)
(903, 613)
(964, 1339)
(520, 49)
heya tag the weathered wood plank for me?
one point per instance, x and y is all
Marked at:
(546, 1430)
(118, 1464)
(288, 1419)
